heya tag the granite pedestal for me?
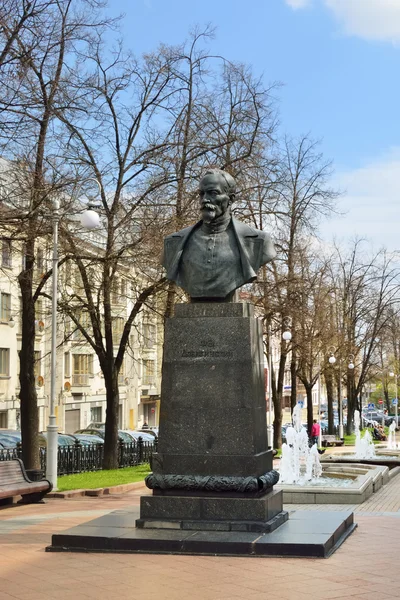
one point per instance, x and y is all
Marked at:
(213, 469)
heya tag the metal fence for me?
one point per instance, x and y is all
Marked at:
(80, 458)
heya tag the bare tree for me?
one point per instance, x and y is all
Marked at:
(298, 196)
(366, 291)
(37, 92)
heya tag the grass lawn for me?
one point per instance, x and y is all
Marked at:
(100, 479)
(350, 440)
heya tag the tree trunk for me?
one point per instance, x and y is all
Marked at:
(329, 393)
(28, 396)
(387, 399)
(110, 460)
(309, 409)
(170, 304)
(293, 391)
(277, 400)
(351, 402)
(279, 395)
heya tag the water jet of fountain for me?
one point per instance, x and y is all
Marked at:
(364, 445)
(299, 462)
(392, 436)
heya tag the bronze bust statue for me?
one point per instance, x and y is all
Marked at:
(219, 254)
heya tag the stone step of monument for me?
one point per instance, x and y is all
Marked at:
(305, 534)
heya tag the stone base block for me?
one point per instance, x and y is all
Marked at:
(235, 465)
(226, 525)
(204, 509)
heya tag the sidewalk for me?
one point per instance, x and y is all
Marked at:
(365, 567)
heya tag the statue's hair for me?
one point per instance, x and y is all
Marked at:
(230, 183)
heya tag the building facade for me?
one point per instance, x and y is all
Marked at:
(81, 393)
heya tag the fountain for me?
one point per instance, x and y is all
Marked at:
(303, 479)
(299, 462)
(364, 445)
(366, 452)
(392, 436)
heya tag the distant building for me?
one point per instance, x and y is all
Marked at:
(81, 393)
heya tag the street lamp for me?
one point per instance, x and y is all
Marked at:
(270, 427)
(287, 336)
(52, 430)
(392, 374)
(350, 366)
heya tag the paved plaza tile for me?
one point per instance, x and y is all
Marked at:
(365, 566)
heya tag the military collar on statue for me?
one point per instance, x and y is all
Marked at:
(218, 225)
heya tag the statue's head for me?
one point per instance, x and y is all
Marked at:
(216, 192)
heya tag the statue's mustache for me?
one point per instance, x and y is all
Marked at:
(207, 206)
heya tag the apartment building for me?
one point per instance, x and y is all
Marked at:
(81, 393)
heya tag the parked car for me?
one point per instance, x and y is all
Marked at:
(63, 439)
(375, 416)
(13, 437)
(7, 441)
(145, 435)
(88, 439)
(122, 435)
(4, 446)
(151, 431)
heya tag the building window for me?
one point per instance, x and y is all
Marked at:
(82, 368)
(85, 323)
(95, 414)
(23, 257)
(39, 310)
(20, 315)
(148, 372)
(38, 364)
(6, 253)
(40, 260)
(123, 290)
(121, 374)
(4, 362)
(3, 420)
(67, 364)
(118, 324)
(5, 307)
(76, 281)
(149, 335)
(114, 292)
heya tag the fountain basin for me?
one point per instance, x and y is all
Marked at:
(387, 458)
(341, 484)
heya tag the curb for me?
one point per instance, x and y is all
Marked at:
(96, 492)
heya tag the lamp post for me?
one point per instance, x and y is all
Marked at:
(287, 336)
(270, 427)
(91, 222)
(319, 403)
(392, 374)
(332, 360)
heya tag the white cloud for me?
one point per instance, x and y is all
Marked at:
(371, 203)
(295, 4)
(368, 19)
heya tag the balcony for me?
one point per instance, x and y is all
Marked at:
(81, 379)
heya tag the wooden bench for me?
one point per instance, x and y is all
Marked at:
(15, 482)
(331, 440)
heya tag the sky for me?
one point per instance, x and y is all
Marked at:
(339, 65)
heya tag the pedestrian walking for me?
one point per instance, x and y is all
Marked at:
(315, 431)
